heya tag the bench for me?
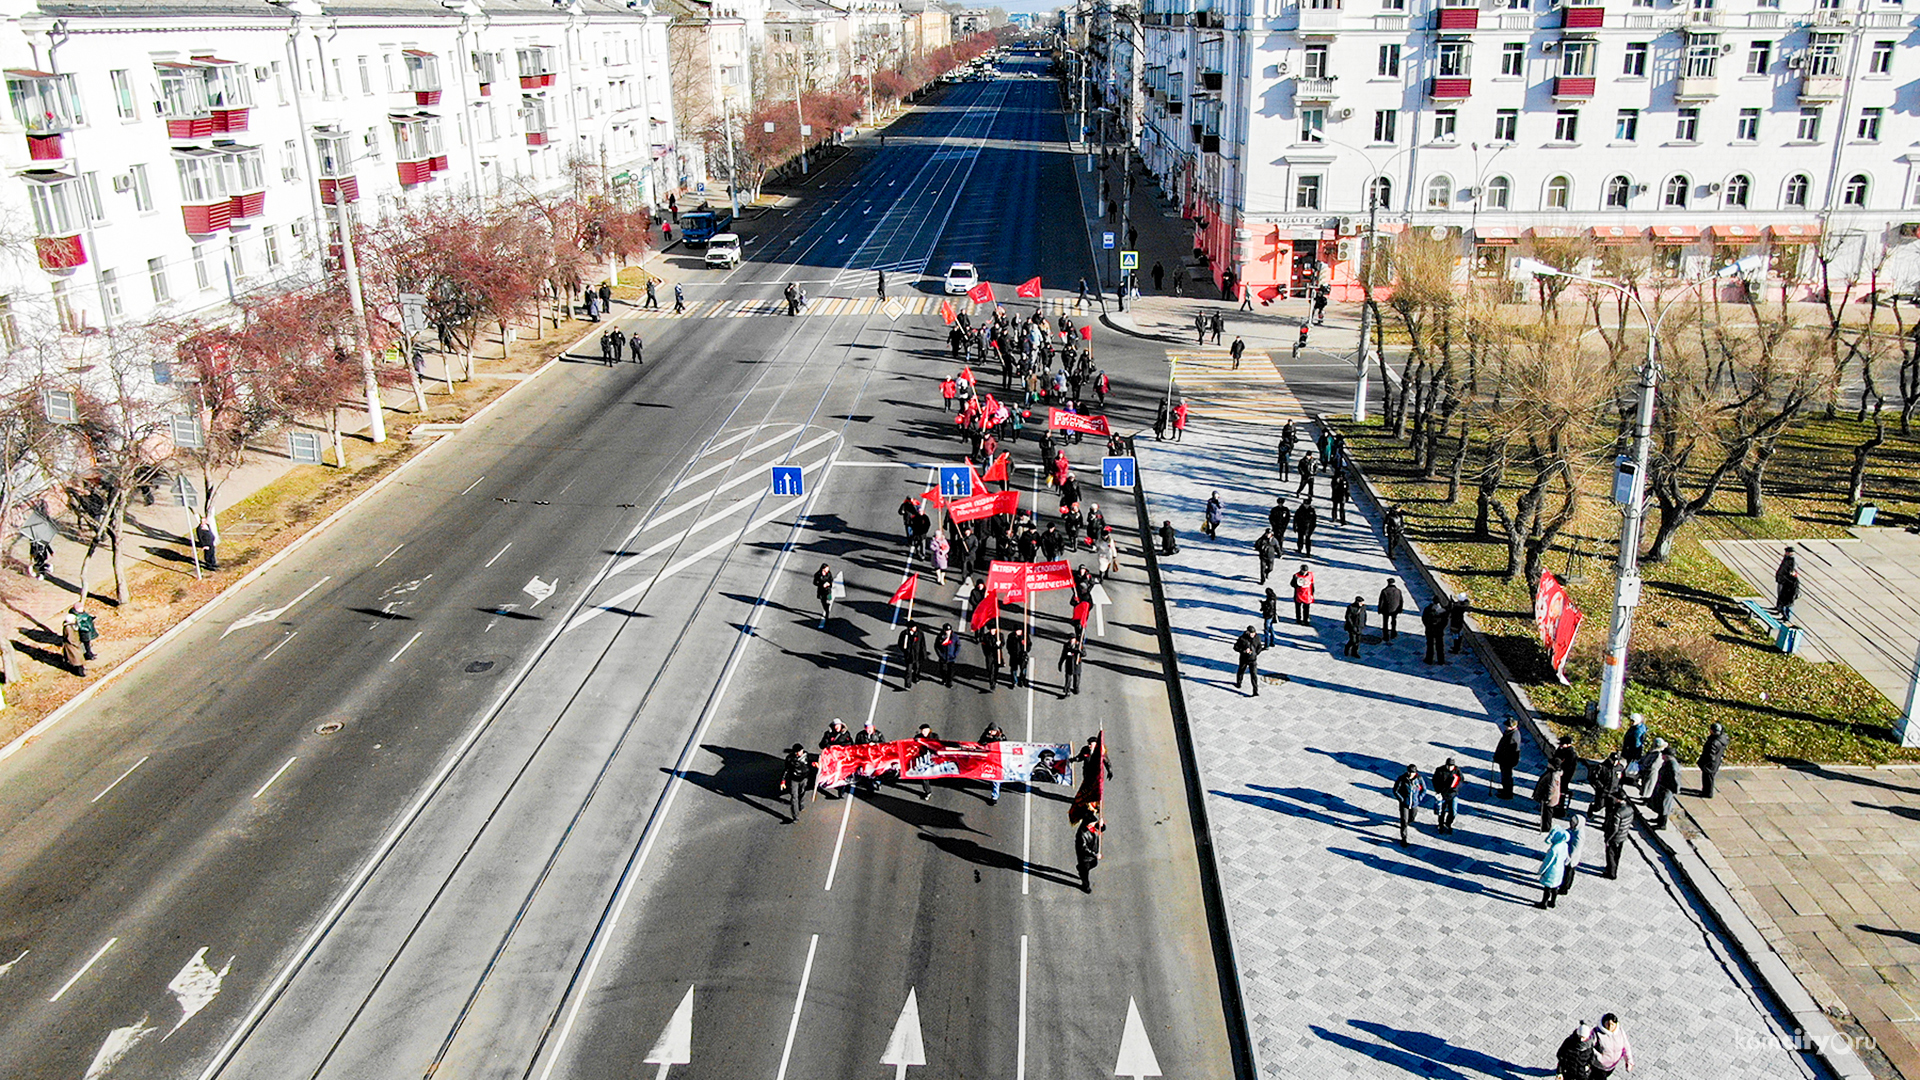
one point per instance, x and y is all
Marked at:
(1786, 638)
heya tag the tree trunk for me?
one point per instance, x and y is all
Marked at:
(339, 444)
(1753, 479)
(1668, 524)
(1857, 476)
(1459, 463)
(119, 526)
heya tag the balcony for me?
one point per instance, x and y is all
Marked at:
(60, 252)
(1884, 20)
(1313, 89)
(1701, 18)
(1196, 130)
(1450, 88)
(536, 138)
(1459, 18)
(1696, 88)
(1573, 87)
(1582, 18)
(1176, 106)
(339, 189)
(43, 103)
(1821, 88)
(1210, 143)
(1318, 20)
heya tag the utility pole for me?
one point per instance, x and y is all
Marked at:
(1361, 354)
(376, 423)
(799, 117)
(733, 167)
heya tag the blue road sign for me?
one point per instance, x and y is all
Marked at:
(1116, 472)
(787, 480)
(1106, 240)
(956, 482)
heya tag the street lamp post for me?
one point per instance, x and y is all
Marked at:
(1361, 354)
(1626, 585)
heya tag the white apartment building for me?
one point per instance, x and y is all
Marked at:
(170, 154)
(1700, 130)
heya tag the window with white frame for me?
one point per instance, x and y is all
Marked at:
(1747, 127)
(123, 104)
(1314, 62)
(1880, 60)
(110, 304)
(246, 169)
(1635, 64)
(1306, 192)
(1869, 127)
(1703, 56)
(1759, 57)
(1380, 191)
(202, 177)
(1577, 57)
(202, 278)
(1799, 188)
(1313, 125)
(1618, 193)
(1674, 194)
(1388, 65)
(1497, 195)
(1445, 124)
(1738, 193)
(1452, 58)
(1823, 55)
(62, 406)
(270, 245)
(1559, 193)
(1626, 125)
(1386, 125)
(56, 205)
(1506, 125)
(63, 310)
(1440, 192)
(183, 90)
(1566, 125)
(1686, 125)
(1808, 127)
(9, 327)
(157, 280)
(1853, 194)
(1513, 58)
(186, 433)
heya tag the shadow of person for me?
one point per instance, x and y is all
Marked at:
(1433, 1050)
(996, 860)
(919, 813)
(748, 776)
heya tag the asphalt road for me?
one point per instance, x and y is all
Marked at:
(385, 812)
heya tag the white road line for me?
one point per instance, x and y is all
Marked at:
(1020, 1047)
(625, 595)
(265, 615)
(276, 775)
(117, 779)
(62, 992)
(1026, 802)
(695, 478)
(497, 554)
(395, 551)
(283, 641)
(749, 478)
(731, 509)
(475, 484)
(840, 840)
(793, 1026)
(405, 647)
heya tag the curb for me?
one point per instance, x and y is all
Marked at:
(191, 618)
(1246, 1065)
(1820, 1039)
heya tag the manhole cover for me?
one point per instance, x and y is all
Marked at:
(484, 666)
(329, 727)
(479, 666)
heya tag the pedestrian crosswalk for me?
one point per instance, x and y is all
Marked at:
(1254, 393)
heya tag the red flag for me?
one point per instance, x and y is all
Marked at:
(1086, 332)
(979, 482)
(998, 470)
(933, 498)
(1030, 287)
(984, 614)
(966, 375)
(981, 293)
(905, 591)
(947, 313)
(1093, 784)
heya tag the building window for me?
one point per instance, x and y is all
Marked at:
(200, 276)
(1576, 57)
(1453, 57)
(9, 329)
(142, 191)
(110, 305)
(1498, 194)
(1626, 125)
(1389, 65)
(1316, 62)
(1823, 55)
(1674, 195)
(1381, 193)
(1667, 259)
(1393, 5)
(1386, 125)
(1313, 125)
(1445, 124)
(1566, 125)
(1559, 193)
(1799, 187)
(1306, 193)
(1686, 127)
(61, 406)
(1439, 193)
(1880, 61)
(157, 278)
(1703, 56)
(1506, 125)
(1739, 192)
(1635, 65)
(1869, 129)
(185, 431)
(1759, 57)
(237, 258)
(1619, 190)
(90, 203)
(1490, 261)
(270, 241)
(1513, 58)
(366, 76)
(123, 105)
(1854, 195)
(1808, 129)
(1747, 128)
(63, 309)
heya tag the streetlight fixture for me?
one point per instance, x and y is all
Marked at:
(1374, 175)
(1630, 477)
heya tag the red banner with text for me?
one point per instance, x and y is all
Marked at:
(1557, 619)
(1062, 420)
(934, 759)
(975, 507)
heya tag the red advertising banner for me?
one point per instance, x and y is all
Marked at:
(1062, 420)
(1557, 619)
(975, 507)
(934, 759)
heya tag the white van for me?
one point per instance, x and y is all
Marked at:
(724, 250)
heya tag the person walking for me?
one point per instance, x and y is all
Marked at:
(590, 302)
(925, 731)
(679, 299)
(653, 298)
(1613, 829)
(1280, 518)
(1506, 755)
(1611, 1050)
(1446, 788)
(836, 734)
(1576, 833)
(1218, 325)
(1180, 280)
(73, 647)
(1338, 495)
(1546, 792)
(1200, 328)
(1633, 748)
(1307, 469)
(1180, 420)
(1786, 585)
(991, 735)
(881, 284)
(1237, 350)
(1086, 850)
(1168, 544)
(1083, 292)
(1302, 583)
(1395, 530)
(1247, 648)
(794, 774)
(1072, 652)
(1159, 272)
(1604, 777)
(1666, 786)
(1270, 613)
(938, 548)
(206, 537)
(1408, 790)
(1266, 549)
(633, 346)
(1356, 623)
(1283, 452)
(823, 582)
(83, 620)
(1305, 520)
(1433, 618)
(606, 348)
(1574, 1059)
(606, 297)
(1553, 868)
(990, 655)
(619, 345)
(1564, 760)
(947, 651)
(1017, 657)
(1392, 603)
(1160, 422)
(1210, 518)
(1712, 754)
(1457, 619)
(913, 644)
(1320, 297)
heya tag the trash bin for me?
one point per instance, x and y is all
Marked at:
(1789, 639)
(1865, 513)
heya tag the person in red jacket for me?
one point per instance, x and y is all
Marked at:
(1303, 596)
(1179, 421)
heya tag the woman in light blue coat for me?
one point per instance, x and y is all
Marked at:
(1553, 868)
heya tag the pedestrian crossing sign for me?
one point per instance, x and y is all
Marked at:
(787, 480)
(1129, 260)
(956, 481)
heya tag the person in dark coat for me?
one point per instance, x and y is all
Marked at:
(1574, 1059)
(1339, 495)
(1210, 518)
(1392, 603)
(1305, 520)
(1566, 761)
(1666, 787)
(1786, 584)
(836, 735)
(1307, 470)
(1247, 648)
(1613, 829)
(1712, 754)
(1434, 619)
(635, 348)
(1270, 614)
(1356, 623)
(1266, 549)
(991, 735)
(1506, 755)
(1072, 652)
(948, 651)
(794, 774)
(823, 592)
(1604, 777)
(1168, 545)
(206, 537)
(1407, 793)
(1283, 453)
(1446, 791)
(990, 655)
(1457, 618)
(1546, 792)
(913, 642)
(1017, 657)
(1280, 519)
(1086, 850)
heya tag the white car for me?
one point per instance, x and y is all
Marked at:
(960, 278)
(724, 250)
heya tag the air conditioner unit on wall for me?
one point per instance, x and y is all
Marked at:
(1349, 251)
(123, 183)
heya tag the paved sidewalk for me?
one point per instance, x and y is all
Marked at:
(1359, 958)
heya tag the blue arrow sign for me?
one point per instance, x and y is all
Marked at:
(1116, 472)
(956, 482)
(787, 480)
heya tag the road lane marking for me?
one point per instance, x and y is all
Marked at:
(475, 484)
(793, 1026)
(606, 606)
(695, 478)
(84, 968)
(117, 1044)
(1020, 1045)
(275, 776)
(1026, 801)
(405, 647)
(103, 794)
(707, 497)
(497, 554)
(395, 551)
(265, 615)
(8, 966)
(283, 641)
(195, 987)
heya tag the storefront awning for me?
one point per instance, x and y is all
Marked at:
(1496, 234)
(1555, 232)
(1675, 234)
(1735, 234)
(1618, 234)
(1793, 234)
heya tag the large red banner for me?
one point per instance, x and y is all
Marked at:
(934, 759)
(1062, 420)
(1557, 619)
(981, 506)
(1016, 579)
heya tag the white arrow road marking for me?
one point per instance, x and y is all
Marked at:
(1136, 1053)
(119, 1041)
(195, 988)
(625, 595)
(84, 968)
(675, 1046)
(904, 1047)
(540, 590)
(262, 615)
(8, 966)
(749, 478)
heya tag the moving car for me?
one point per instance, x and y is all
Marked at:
(724, 250)
(961, 276)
